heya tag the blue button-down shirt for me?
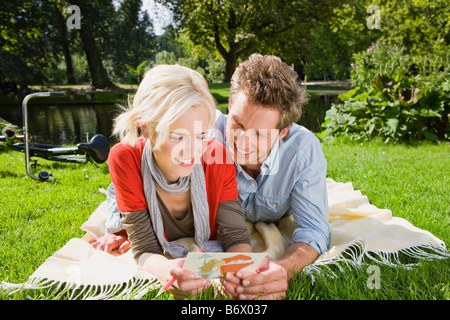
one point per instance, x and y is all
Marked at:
(292, 181)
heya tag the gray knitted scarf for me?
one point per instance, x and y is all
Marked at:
(151, 176)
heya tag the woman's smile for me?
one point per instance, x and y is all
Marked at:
(184, 162)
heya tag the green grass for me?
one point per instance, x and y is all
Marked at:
(36, 219)
(220, 91)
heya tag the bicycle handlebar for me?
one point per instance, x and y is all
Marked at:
(44, 176)
(97, 149)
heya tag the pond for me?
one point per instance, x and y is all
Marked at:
(72, 124)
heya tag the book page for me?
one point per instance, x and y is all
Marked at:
(212, 265)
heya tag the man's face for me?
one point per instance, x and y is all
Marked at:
(251, 131)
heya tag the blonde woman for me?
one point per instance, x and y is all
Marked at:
(174, 182)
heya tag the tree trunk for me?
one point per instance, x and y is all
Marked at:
(99, 76)
(70, 71)
(229, 56)
(230, 66)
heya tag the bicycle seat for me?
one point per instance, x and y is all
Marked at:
(97, 148)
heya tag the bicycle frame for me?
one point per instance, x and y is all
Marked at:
(97, 149)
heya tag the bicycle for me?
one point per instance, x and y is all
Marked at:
(97, 149)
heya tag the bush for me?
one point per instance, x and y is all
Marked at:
(379, 58)
(394, 111)
(135, 75)
(389, 102)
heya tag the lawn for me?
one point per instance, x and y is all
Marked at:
(36, 218)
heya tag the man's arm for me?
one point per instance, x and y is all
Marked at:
(309, 204)
(296, 257)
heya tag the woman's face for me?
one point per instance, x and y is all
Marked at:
(188, 139)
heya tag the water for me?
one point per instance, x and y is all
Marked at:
(72, 124)
(63, 124)
(315, 110)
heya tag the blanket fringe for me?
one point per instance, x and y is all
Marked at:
(357, 256)
(136, 288)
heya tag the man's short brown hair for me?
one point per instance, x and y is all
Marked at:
(271, 83)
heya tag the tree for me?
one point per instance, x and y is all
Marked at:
(95, 16)
(216, 25)
(421, 26)
(58, 7)
(132, 41)
(336, 39)
(237, 28)
(25, 41)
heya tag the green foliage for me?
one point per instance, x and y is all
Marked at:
(393, 110)
(389, 101)
(421, 26)
(26, 41)
(135, 75)
(380, 58)
(424, 28)
(36, 43)
(235, 29)
(129, 40)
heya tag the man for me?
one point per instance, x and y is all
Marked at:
(280, 170)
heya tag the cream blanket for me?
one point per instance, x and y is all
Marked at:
(359, 231)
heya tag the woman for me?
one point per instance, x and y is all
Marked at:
(166, 186)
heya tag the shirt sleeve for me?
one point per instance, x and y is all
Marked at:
(140, 232)
(125, 170)
(112, 223)
(219, 132)
(220, 173)
(229, 186)
(231, 223)
(309, 200)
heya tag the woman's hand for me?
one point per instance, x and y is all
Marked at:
(187, 282)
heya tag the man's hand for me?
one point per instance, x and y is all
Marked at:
(268, 282)
(110, 242)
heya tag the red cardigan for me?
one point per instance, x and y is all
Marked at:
(124, 163)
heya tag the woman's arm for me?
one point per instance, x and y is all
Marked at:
(241, 247)
(233, 231)
(143, 240)
(149, 255)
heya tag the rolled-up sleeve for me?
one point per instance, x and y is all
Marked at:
(309, 200)
(112, 223)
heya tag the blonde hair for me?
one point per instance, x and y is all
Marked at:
(165, 93)
(271, 83)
